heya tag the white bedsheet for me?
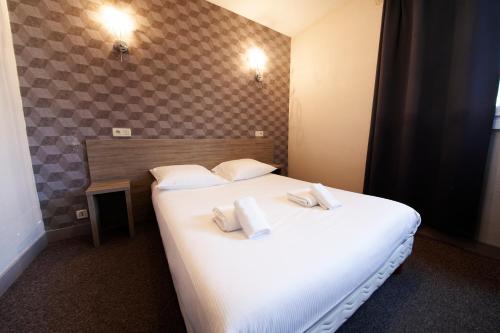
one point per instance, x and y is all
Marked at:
(283, 282)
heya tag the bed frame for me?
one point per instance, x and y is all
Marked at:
(133, 158)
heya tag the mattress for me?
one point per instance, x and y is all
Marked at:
(288, 281)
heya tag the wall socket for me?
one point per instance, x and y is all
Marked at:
(259, 133)
(122, 132)
(82, 214)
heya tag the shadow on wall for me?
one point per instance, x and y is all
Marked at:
(295, 122)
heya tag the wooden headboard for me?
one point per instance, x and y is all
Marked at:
(132, 159)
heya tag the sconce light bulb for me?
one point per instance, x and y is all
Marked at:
(256, 58)
(117, 22)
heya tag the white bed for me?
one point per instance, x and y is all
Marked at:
(310, 274)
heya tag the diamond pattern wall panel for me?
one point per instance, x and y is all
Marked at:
(185, 77)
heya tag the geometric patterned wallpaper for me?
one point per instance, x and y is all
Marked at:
(185, 77)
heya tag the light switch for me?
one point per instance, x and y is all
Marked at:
(122, 132)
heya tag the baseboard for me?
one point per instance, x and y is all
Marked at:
(69, 232)
(21, 263)
(468, 245)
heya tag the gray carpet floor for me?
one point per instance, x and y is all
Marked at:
(125, 286)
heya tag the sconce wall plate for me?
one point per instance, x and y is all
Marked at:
(258, 76)
(120, 46)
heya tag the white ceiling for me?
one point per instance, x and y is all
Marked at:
(286, 16)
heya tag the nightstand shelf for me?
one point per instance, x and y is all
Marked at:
(103, 187)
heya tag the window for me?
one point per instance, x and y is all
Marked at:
(496, 122)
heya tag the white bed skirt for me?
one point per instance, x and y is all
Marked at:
(340, 313)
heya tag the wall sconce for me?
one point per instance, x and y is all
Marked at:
(120, 25)
(257, 61)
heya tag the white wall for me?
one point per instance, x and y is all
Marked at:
(333, 67)
(20, 217)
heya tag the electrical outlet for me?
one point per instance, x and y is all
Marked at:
(259, 133)
(122, 132)
(82, 214)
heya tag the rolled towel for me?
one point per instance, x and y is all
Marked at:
(251, 217)
(324, 196)
(225, 218)
(302, 197)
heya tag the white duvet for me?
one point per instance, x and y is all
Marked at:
(283, 282)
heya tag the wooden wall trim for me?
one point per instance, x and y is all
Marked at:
(81, 229)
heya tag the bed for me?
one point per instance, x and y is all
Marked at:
(309, 275)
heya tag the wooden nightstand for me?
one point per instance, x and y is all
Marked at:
(278, 167)
(101, 187)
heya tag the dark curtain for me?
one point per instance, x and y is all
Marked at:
(434, 104)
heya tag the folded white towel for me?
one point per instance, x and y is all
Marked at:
(324, 196)
(225, 218)
(302, 197)
(252, 219)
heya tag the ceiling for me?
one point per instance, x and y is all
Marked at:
(286, 16)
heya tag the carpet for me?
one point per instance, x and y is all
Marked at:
(125, 286)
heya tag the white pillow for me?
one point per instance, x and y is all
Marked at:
(242, 169)
(179, 177)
